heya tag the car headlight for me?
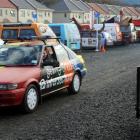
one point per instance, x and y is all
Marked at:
(8, 86)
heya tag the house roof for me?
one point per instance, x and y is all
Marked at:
(137, 9)
(82, 5)
(65, 5)
(105, 8)
(115, 8)
(38, 5)
(97, 8)
(22, 4)
(7, 4)
(128, 12)
(134, 11)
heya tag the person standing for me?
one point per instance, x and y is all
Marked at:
(102, 42)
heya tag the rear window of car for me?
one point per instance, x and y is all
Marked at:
(56, 30)
(10, 34)
(27, 33)
(88, 34)
(125, 29)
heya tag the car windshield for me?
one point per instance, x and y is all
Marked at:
(20, 55)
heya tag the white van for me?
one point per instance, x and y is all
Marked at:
(89, 39)
(113, 29)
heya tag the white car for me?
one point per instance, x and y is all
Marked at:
(109, 39)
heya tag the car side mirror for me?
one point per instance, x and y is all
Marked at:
(53, 63)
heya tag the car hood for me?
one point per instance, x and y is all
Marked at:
(18, 74)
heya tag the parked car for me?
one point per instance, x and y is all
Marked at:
(114, 30)
(13, 31)
(26, 77)
(68, 34)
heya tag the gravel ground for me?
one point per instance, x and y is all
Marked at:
(103, 110)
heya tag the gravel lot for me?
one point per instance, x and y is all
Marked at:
(103, 110)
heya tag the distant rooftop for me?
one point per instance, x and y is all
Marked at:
(22, 4)
(65, 5)
(6, 4)
(38, 5)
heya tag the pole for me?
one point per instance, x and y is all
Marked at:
(97, 38)
(137, 93)
(91, 19)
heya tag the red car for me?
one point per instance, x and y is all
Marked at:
(26, 75)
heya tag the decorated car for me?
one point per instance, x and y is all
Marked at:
(32, 69)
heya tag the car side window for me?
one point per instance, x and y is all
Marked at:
(48, 53)
(10, 34)
(27, 33)
(61, 53)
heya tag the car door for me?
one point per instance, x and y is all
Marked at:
(51, 77)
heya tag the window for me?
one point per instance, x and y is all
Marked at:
(22, 13)
(48, 14)
(6, 12)
(45, 14)
(86, 34)
(20, 55)
(61, 53)
(27, 33)
(10, 34)
(12, 13)
(56, 30)
(28, 13)
(65, 15)
(49, 53)
(85, 17)
(0, 12)
(40, 14)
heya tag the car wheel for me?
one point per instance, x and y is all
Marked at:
(30, 102)
(75, 85)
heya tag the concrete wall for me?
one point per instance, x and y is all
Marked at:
(8, 15)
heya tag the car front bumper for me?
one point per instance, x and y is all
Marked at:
(12, 97)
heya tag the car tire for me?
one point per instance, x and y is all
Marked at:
(31, 99)
(74, 88)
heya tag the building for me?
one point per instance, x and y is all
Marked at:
(25, 11)
(44, 14)
(84, 7)
(8, 11)
(65, 10)
(103, 13)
